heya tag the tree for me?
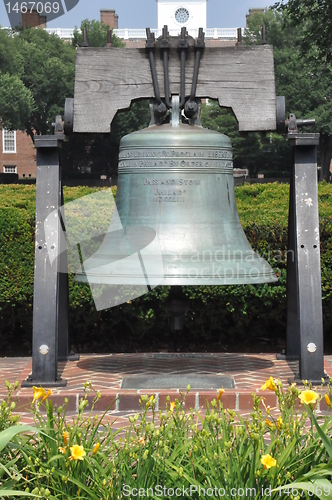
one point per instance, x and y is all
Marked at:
(36, 74)
(97, 34)
(16, 102)
(49, 68)
(100, 151)
(301, 77)
(314, 17)
(262, 151)
(247, 150)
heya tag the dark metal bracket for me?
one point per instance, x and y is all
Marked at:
(165, 48)
(304, 330)
(191, 106)
(183, 51)
(159, 107)
(50, 341)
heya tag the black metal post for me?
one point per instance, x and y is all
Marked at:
(292, 297)
(63, 303)
(48, 284)
(304, 295)
(292, 351)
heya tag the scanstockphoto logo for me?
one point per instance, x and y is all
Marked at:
(86, 237)
(50, 9)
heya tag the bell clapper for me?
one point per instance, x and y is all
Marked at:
(175, 111)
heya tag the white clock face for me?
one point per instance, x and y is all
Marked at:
(181, 15)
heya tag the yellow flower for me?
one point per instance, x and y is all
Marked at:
(269, 423)
(77, 452)
(141, 441)
(62, 450)
(279, 422)
(220, 393)
(95, 449)
(172, 406)
(269, 384)
(65, 436)
(308, 397)
(38, 392)
(327, 399)
(46, 395)
(268, 461)
(150, 401)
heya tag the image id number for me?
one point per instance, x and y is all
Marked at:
(313, 490)
(40, 7)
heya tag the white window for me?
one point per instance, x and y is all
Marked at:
(9, 141)
(10, 169)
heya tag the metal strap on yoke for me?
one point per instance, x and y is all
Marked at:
(190, 106)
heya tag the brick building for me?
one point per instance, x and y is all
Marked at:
(17, 154)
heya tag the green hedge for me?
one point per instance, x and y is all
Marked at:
(227, 317)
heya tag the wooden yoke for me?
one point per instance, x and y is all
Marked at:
(109, 79)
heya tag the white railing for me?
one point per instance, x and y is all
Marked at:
(223, 33)
(66, 33)
(134, 34)
(216, 33)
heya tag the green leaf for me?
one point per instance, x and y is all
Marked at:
(8, 434)
(326, 441)
(322, 488)
(13, 493)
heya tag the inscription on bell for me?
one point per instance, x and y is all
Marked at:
(171, 182)
(169, 199)
(165, 193)
(175, 153)
(165, 164)
(174, 192)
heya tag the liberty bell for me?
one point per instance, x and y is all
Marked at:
(175, 206)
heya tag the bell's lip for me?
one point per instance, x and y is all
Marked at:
(172, 281)
(232, 274)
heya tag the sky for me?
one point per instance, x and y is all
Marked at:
(143, 13)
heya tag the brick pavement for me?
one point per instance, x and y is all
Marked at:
(107, 371)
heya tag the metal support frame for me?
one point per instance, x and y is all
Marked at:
(304, 295)
(50, 304)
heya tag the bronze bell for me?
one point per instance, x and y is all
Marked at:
(176, 214)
